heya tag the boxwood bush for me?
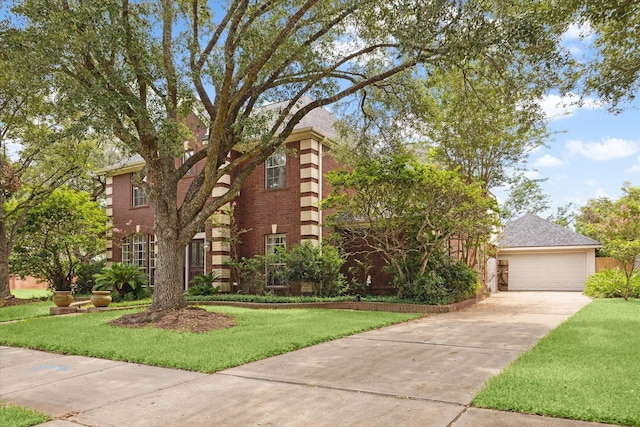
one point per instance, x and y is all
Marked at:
(611, 283)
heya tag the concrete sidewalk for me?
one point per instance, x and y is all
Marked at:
(419, 373)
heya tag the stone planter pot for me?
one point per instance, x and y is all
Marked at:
(100, 298)
(62, 298)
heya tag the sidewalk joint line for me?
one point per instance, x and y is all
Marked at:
(436, 344)
(337, 388)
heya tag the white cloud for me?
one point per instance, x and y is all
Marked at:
(548, 161)
(578, 38)
(601, 192)
(591, 182)
(532, 174)
(578, 31)
(609, 148)
(558, 107)
(635, 168)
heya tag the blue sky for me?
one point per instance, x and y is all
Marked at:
(592, 155)
(594, 151)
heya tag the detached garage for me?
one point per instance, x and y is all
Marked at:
(538, 255)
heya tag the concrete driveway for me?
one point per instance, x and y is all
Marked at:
(420, 373)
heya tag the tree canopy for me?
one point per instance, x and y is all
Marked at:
(406, 211)
(614, 71)
(617, 225)
(62, 232)
(41, 145)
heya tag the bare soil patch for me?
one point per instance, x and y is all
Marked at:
(189, 319)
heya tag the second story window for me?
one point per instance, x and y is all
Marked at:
(139, 196)
(275, 169)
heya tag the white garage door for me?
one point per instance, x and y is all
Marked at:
(547, 271)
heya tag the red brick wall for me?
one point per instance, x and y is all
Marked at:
(125, 216)
(16, 282)
(257, 207)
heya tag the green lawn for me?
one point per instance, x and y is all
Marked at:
(31, 293)
(25, 311)
(258, 334)
(15, 416)
(586, 369)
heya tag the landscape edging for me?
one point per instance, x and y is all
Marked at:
(352, 305)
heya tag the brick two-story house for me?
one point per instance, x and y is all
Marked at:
(277, 205)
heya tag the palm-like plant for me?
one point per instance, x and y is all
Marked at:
(122, 278)
(203, 284)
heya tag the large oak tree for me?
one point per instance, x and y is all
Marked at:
(138, 68)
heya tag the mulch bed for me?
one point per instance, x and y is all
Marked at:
(189, 319)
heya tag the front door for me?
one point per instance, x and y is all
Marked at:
(195, 261)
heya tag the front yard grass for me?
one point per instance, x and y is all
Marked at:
(25, 311)
(16, 416)
(258, 334)
(586, 369)
(31, 293)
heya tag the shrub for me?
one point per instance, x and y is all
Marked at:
(126, 280)
(252, 274)
(611, 283)
(318, 265)
(84, 276)
(203, 284)
(445, 282)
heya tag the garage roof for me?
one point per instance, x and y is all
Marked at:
(532, 231)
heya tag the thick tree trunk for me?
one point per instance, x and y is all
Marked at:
(5, 291)
(168, 292)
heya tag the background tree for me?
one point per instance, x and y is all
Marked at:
(62, 232)
(613, 72)
(40, 149)
(406, 211)
(593, 213)
(485, 124)
(525, 197)
(565, 215)
(620, 231)
(138, 68)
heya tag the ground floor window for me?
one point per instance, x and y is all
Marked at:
(274, 268)
(140, 249)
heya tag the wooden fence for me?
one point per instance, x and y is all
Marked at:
(606, 263)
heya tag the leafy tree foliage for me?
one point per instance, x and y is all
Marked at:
(41, 148)
(65, 230)
(526, 197)
(406, 211)
(614, 72)
(481, 127)
(319, 265)
(617, 225)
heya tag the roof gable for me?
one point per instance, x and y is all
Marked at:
(532, 231)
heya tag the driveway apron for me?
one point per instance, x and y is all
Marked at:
(419, 373)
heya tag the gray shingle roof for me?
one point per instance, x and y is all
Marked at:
(319, 118)
(533, 231)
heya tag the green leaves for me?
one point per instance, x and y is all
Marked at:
(406, 210)
(57, 235)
